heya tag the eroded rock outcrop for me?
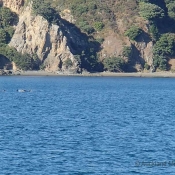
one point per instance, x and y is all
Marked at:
(142, 50)
(52, 43)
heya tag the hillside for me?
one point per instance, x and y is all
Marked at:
(78, 35)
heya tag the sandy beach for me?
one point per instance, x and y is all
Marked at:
(100, 74)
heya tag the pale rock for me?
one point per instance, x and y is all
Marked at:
(14, 66)
(146, 51)
(34, 35)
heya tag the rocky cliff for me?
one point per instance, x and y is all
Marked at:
(69, 44)
(55, 45)
(142, 51)
(34, 35)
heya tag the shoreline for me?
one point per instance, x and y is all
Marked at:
(98, 74)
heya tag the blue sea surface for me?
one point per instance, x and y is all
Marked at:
(87, 126)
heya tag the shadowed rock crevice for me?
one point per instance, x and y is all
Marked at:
(5, 63)
(80, 44)
(47, 46)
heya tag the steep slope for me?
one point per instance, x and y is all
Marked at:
(94, 35)
(116, 21)
(34, 35)
(59, 46)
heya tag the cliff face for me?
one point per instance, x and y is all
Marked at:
(55, 44)
(34, 35)
(142, 50)
(115, 41)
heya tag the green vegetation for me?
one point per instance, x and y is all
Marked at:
(133, 32)
(23, 61)
(85, 27)
(146, 66)
(44, 9)
(93, 18)
(154, 31)
(3, 36)
(88, 60)
(114, 64)
(150, 11)
(171, 8)
(127, 51)
(92, 15)
(161, 29)
(98, 26)
(68, 63)
(163, 50)
(96, 19)
(7, 19)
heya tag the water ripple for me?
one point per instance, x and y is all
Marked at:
(84, 126)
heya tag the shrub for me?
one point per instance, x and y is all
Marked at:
(146, 66)
(78, 9)
(127, 51)
(7, 17)
(44, 9)
(23, 61)
(153, 30)
(133, 32)
(84, 26)
(68, 63)
(42, 67)
(160, 62)
(98, 26)
(163, 49)
(164, 46)
(114, 64)
(171, 9)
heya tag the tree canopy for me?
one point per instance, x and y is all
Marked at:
(150, 11)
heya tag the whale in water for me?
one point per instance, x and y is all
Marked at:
(23, 90)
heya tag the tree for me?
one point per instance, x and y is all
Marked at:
(84, 25)
(7, 17)
(44, 9)
(114, 64)
(163, 49)
(150, 11)
(160, 62)
(171, 9)
(165, 45)
(153, 30)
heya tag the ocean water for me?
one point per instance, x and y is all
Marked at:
(87, 126)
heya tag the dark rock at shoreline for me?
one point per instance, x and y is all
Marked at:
(5, 72)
